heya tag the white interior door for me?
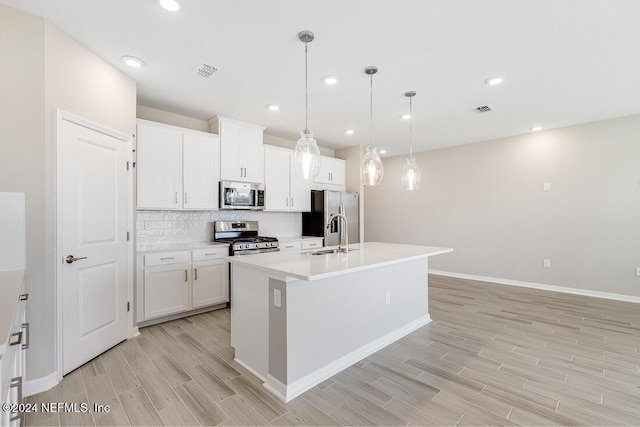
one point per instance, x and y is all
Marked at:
(93, 204)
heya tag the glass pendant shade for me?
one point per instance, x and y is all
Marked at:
(306, 158)
(411, 176)
(371, 170)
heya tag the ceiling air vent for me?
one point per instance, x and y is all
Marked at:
(483, 109)
(205, 70)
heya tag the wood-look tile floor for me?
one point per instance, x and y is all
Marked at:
(493, 355)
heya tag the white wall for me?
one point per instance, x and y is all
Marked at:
(78, 81)
(44, 69)
(155, 115)
(486, 200)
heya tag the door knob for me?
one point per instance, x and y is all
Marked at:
(71, 258)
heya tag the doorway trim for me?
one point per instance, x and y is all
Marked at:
(60, 116)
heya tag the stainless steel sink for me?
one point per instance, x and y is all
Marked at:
(328, 251)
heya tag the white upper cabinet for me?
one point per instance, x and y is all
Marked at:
(176, 168)
(241, 151)
(283, 190)
(200, 157)
(331, 175)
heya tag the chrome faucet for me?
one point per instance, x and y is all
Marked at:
(343, 246)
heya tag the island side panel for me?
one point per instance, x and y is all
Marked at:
(332, 323)
(250, 318)
(278, 332)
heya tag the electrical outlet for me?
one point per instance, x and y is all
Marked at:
(546, 186)
(638, 271)
(387, 297)
(547, 263)
(277, 298)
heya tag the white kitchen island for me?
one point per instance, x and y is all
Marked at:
(298, 319)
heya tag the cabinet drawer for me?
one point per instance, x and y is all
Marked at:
(312, 243)
(210, 253)
(162, 258)
(290, 246)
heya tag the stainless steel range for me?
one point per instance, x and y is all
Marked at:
(243, 237)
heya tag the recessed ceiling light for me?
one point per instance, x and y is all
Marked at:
(349, 131)
(405, 116)
(492, 81)
(132, 61)
(170, 5)
(535, 128)
(383, 151)
(330, 80)
(273, 107)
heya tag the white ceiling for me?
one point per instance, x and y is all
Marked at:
(565, 62)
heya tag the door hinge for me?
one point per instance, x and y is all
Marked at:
(128, 306)
(127, 236)
(127, 165)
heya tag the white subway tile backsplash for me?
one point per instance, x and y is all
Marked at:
(167, 227)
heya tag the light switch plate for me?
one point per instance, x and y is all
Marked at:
(546, 186)
(277, 298)
(547, 263)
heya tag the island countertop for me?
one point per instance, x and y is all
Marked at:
(361, 256)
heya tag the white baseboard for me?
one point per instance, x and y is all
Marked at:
(39, 385)
(563, 289)
(286, 392)
(134, 332)
(248, 368)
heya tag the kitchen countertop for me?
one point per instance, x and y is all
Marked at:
(11, 286)
(163, 247)
(362, 256)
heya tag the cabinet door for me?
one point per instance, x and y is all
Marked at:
(276, 179)
(251, 155)
(230, 151)
(159, 167)
(300, 191)
(338, 172)
(295, 245)
(201, 171)
(210, 283)
(166, 290)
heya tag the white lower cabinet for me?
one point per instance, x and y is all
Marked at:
(12, 366)
(298, 244)
(210, 283)
(171, 283)
(166, 290)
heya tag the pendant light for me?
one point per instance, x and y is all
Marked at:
(306, 158)
(411, 176)
(371, 170)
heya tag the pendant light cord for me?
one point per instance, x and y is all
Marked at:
(371, 109)
(306, 92)
(411, 127)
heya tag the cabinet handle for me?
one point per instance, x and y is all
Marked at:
(17, 383)
(18, 341)
(25, 344)
(287, 247)
(195, 271)
(312, 245)
(185, 197)
(169, 257)
(286, 201)
(186, 276)
(23, 297)
(292, 202)
(176, 197)
(210, 254)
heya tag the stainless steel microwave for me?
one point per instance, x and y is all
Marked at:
(241, 195)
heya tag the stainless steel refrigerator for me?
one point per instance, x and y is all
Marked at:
(324, 203)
